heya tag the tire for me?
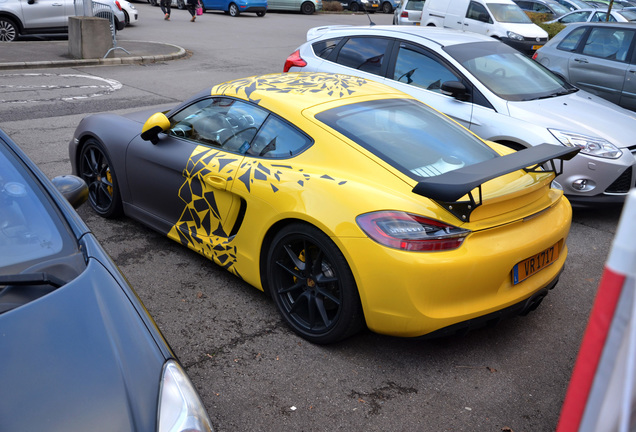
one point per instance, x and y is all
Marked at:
(181, 4)
(234, 10)
(127, 18)
(354, 7)
(153, 2)
(312, 285)
(308, 8)
(95, 168)
(9, 31)
(387, 8)
(261, 13)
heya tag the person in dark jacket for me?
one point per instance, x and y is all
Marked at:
(192, 5)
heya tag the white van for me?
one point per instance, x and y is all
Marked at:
(501, 19)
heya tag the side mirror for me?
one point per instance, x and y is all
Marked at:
(31, 2)
(156, 124)
(74, 189)
(455, 89)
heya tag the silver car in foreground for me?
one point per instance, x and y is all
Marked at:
(492, 89)
(597, 57)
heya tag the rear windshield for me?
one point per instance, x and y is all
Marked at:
(409, 135)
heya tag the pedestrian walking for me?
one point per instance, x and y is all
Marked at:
(165, 8)
(192, 6)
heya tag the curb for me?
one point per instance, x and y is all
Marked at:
(133, 59)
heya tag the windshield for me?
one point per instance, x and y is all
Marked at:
(30, 228)
(409, 135)
(580, 4)
(557, 8)
(508, 13)
(508, 73)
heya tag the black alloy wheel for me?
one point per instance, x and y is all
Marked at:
(96, 169)
(312, 285)
(387, 7)
(308, 8)
(354, 6)
(8, 30)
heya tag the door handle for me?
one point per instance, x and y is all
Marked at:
(581, 60)
(216, 182)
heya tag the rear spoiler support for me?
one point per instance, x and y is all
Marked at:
(447, 188)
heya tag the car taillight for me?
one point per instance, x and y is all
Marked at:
(405, 231)
(404, 14)
(534, 56)
(294, 60)
(118, 5)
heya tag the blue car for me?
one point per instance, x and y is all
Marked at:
(79, 350)
(236, 7)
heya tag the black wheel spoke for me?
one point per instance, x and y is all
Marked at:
(291, 271)
(294, 257)
(298, 285)
(329, 295)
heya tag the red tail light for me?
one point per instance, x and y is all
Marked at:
(118, 5)
(294, 60)
(411, 232)
(534, 56)
(404, 14)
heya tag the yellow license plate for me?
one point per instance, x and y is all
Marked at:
(536, 47)
(375, 5)
(534, 264)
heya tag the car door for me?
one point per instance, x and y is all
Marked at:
(183, 183)
(601, 66)
(628, 97)
(46, 14)
(420, 72)
(477, 19)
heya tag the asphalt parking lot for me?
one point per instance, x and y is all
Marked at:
(252, 372)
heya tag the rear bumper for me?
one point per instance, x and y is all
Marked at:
(522, 308)
(527, 47)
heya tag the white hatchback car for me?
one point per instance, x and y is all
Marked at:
(492, 89)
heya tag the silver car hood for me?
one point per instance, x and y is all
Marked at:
(580, 112)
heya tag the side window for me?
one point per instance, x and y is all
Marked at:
(278, 139)
(323, 48)
(609, 43)
(226, 123)
(570, 42)
(478, 12)
(364, 53)
(575, 17)
(421, 70)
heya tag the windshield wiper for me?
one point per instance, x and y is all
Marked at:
(32, 279)
(556, 94)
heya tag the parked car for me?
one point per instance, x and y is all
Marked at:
(409, 13)
(80, 351)
(550, 7)
(307, 7)
(27, 17)
(597, 57)
(493, 90)
(236, 7)
(358, 5)
(131, 14)
(311, 186)
(500, 19)
(596, 15)
(573, 4)
(388, 6)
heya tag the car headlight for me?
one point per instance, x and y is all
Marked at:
(515, 36)
(180, 407)
(589, 145)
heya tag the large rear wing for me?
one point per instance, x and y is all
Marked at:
(449, 187)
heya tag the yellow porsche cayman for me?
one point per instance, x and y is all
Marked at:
(349, 202)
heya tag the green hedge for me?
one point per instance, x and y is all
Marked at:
(540, 19)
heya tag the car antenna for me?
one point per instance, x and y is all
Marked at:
(369, 16)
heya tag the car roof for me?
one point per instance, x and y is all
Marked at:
(627, 25)
(293, 92)
(440, 36)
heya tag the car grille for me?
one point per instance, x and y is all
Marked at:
(621, 184)
(534, 39)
